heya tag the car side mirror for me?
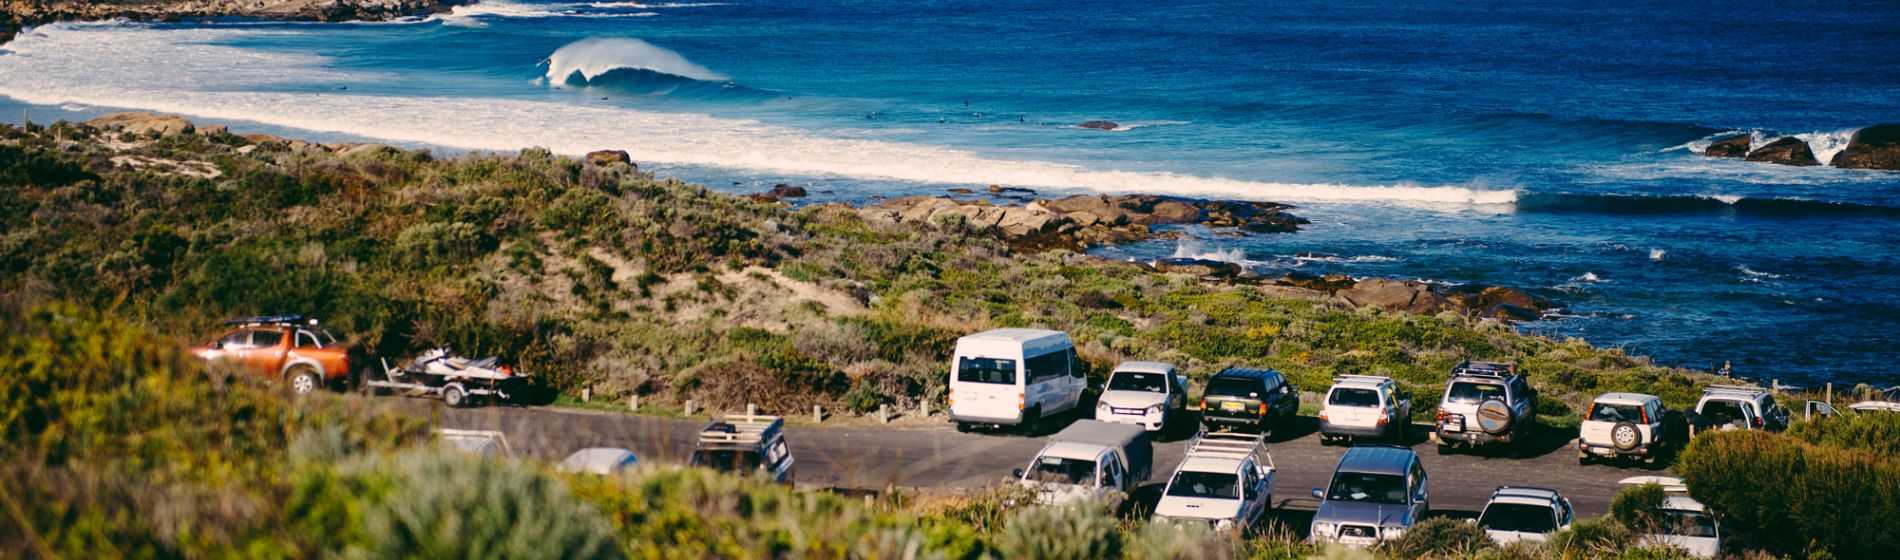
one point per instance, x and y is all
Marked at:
(1319, 494)
(1421, 497)
(1018, 473)
(1285, 389)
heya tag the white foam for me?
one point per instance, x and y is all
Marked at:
(1588, 277)
(182, 71)
(472, 15)
(1194, 249)
(1826, 144)
(1351, 259)
(594, 56)
(1657, 254)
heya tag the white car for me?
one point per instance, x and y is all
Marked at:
(1525, 514)
(1686, 523)
(1628, 425)
(480, 443)
(1148, 394)
(1365, 406)
(1226, 481)
(1014, 378)
(599, 460)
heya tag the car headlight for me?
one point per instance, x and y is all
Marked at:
(1322, 530)
(1391, 533)
(1223, 524)
(1101, 406)
(1154, 409)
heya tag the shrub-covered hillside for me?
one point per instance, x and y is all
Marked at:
(605, 277)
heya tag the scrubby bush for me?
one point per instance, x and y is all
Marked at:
(1589, 538)
(1877, 433)
(1439, 536)
(444, 504)
(1787, 496)
(1639, 507)
(1083, 531)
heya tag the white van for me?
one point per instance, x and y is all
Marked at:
(1013, 377)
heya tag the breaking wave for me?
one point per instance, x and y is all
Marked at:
(592, 57)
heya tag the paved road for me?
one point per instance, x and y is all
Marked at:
(874, 457)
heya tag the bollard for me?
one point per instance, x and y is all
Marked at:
(884, 413)
(586, 394)
(817, 414)
(1830, 394)
(751, 409)
(1775, 385)
(689, 408)
(633, 402)
(925, 408)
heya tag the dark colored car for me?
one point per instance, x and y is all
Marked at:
(1258, 400)
(292, 348)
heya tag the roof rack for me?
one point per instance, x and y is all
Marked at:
(741, 428)
(1734, 389)
(1508, 487)
(1359, 377)
(1669, 484)
(1470, 368)
(294, 319)
(1230, 446)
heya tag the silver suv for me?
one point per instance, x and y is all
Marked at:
(1745, 407)
(743, 444)
(1377, 493)
(1629, 425)
(1365, 406)
(1485, 403)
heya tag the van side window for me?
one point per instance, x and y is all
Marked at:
(986, 370)
(1077, 367)
(1047, 366)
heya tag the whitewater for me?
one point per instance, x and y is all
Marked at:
(187, 72)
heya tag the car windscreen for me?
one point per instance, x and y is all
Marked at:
(1723, 412)
(1062, 470)
(730, 460)
(986, 370)
(1190, 484)
(1466, 392)
(1367, 487)
(1687, 524)
(1604, 412)
(1353, 397)
(1522, 518)
(1234, 387)
(1138, 381)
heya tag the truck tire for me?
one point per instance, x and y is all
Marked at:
(1494, 417)
(1032, 421)
(454, 396)
(303, 379)
(1625, 436)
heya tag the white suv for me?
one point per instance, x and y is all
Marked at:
(1367, 406)
(1740, 407)
(1525, 514)
(1628, 425)
(1226, 480)
(1147, 394)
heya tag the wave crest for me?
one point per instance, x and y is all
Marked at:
(595, 56)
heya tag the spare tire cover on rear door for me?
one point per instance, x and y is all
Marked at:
(1494, 417)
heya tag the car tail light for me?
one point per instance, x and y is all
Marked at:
(1322, 415)
(1021, 401)
(950, 397)
(1263, 409)
(1441, 415)
(1203, 404)
(1758, 421)
(1384, 419)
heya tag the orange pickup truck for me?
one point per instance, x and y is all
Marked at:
(288, 347)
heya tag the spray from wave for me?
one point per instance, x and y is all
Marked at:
(1193, 249)
(589, 58)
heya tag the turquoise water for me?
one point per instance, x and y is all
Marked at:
(1536, 144)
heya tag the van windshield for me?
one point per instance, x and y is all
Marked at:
(1065, 471)
(986, 370)
(1234, 387)
(1465, 392)
(1190, 484)
(1138, 381)
(1353, 397)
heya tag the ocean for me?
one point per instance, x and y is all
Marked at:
(1550, 146)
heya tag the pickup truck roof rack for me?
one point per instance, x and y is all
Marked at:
(1496, 370)
(741, 428)
(1230, 446)
(294, 319)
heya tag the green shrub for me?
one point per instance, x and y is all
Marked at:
(1639, 507)
(1439, 536)
(1786, 496)
(445, 504)
(1083, 531)
(1589, 538)
(1877, 433)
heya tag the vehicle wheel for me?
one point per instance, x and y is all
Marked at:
(304, 380)
(1583, 460)
(963, 428)
(1494, 417)
(454, 396)
(1444, 449)
(1032, 422)
(1625, 436)
(1651, 460)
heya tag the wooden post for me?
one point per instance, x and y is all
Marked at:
(884, 413)
(751, 409)
(817, 413)
(587, 394)
(689, 408)
(1830, 393)
(633, 402)
(924, 407)
(1775, 385)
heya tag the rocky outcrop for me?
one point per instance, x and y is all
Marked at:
(1472, 300)
(141, 123)
(1101, 125)
(1083, 221)
(1786, 151)
(1732, 147)
(19, 14)
(1197, 267)
(609, 157)
(779, 193)
(1874, 147)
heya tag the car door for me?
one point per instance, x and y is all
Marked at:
(1254, 502)
(266, 351)
(1421, 493)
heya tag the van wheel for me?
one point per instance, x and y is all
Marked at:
(1032, 422)
(963, 428)
(304, 380)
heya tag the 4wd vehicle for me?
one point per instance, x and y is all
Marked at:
(1226, 481)
(1257, 400)
(1743, 407)
(1525, 514)
(1090, 460)
(1485, 403)
(288, 347)
(1377, 493)
(1148, 394)
(745, 443)
(1014, 378)
(1368, 406)
(1630, 425)
(1686, 523)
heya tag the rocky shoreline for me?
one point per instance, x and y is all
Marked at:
(1874, 147)
(21, 14)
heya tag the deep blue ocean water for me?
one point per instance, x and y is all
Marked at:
(1544, 145)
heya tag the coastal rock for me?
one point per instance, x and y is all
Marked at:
(141, 123)
(1874, 147)
(609, 157)
(1329, 283)
(960, 190)
(1101, 125)
(783, 190)
(1786, 151)
(1731, 147)
(1203, 268)
(1382, 292)
(1079, 222)
(213, 130)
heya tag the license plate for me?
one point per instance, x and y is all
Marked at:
(1604, 451)
(1454, 426)
(1233, 406)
